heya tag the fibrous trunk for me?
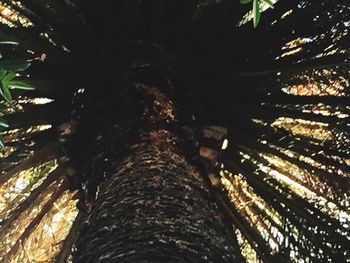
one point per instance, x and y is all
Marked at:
(153, 204)
(155, 208)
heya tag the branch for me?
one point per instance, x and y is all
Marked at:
(53, 176)
(47, 153)
(66, 249)
(333, 179)
(247, 231)
(31, 227)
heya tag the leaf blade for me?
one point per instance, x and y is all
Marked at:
(8, 77)
(9, 43)
(2, 145)
(16, 84)
(245, 1)
(6, 92)
(2, 73)
(256, 13)
(3, 123)
(15, 65)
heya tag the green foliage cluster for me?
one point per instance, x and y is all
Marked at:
(8, 72)
(273, 118)
(256, 9)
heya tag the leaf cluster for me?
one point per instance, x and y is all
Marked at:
(8, 72)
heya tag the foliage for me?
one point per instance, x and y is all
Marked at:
(273, 117)
(256, 9)
(8, 72)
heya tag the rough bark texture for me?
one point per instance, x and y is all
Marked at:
(153, 204)
(155, 208)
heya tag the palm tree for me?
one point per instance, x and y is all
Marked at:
(175, 131)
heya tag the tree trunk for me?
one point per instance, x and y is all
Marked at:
(153, 204)
(155, 208)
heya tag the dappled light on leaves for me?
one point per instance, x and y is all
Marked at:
(319, 83)
(252, 201)
(326, 110)
(272, 131)
(45, 242)
(11, 17)
(36, 214)
(36, 101)
(6, 151)
(287, 174)
(296, 43)
(282, 188)
(293, 47)
(248, 252)
(12, 236)
(316, 192)
(315, 89)
(314, 130)
(18, 188)
(250, 205)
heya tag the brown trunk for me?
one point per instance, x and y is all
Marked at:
(155, 208)
(153, 204)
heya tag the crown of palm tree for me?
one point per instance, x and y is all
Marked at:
(271, 109)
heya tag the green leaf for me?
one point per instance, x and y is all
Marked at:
(3, 123)
(2, 73)
(8, 77)
(3, 107)
(2, 146)
(16, 84)
(6, 92)
(15, 65)
(9, 43)
(256, 13)
(245, 1)
(269, 3)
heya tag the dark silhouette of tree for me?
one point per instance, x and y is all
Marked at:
(179, 131)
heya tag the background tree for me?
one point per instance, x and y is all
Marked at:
(271, 108)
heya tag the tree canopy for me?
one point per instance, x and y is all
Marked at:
(269, 92)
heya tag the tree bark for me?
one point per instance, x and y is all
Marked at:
(155, 208)
(153, 204)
